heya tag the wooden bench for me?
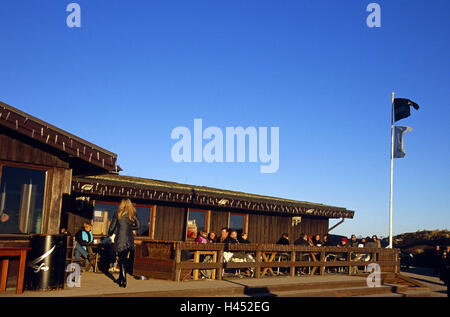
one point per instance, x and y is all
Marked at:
(5, 255)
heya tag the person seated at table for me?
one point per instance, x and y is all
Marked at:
(83, 237)
(302, 241)
(370, 243)
(202, 237)
(243, 238)
(212, 237)
(284, 239)
(317, 241)
(310, 240)
(326, 242)
(343, 243)
(224, 232)
(353, 242)
(375, 239)
(232, 238)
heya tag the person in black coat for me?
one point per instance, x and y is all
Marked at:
(123, 223)
(284, 240)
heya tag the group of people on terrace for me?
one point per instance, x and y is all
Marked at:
(232, 237)
(227, 235)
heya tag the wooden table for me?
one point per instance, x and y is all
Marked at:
(197, 260)
(5, 254)
(268, 259)
(91, 247)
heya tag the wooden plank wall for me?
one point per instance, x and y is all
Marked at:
(59, 181)
(170, 223)
(219, 220)
(12, 149)
(269, 228)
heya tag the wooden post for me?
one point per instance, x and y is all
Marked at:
(21, 274)
(322, 259)
(349, 259)
(4, 277)
(220, 260)
(293, 259)
(177, 275)
(258, 264)
(196, 260)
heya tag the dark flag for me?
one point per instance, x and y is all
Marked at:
(399, 150)
(402, 108)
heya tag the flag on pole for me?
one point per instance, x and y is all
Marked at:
(399, 150)
(402, 108)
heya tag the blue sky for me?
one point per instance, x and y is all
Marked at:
(135, 70)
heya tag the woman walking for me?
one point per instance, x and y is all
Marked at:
(123, 223)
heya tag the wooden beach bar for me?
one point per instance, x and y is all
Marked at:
(51, 181)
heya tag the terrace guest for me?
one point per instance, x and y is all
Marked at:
(284, 240)
(212, 237)
(223, 235)
(82, 238)
(303, 240)
(310, 241)
(232, 238)
(326, 242)
(370, 243)
(123, 223)
(202, 237)
(244, 238)
(343, 243)
(317, 241)
(375, 239)
(353, 242)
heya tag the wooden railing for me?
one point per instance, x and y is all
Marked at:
(169, 260)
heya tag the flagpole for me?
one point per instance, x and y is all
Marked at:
(392, 172)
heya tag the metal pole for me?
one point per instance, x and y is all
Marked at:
(392, 172)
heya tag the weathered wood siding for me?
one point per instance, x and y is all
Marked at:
(170, 223)
(12, 149)
(59, 181)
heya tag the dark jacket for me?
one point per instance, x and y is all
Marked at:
(371, 244)
(328, 243)
(283, 241)
(230, 240)
(80, 240)
(123, 229)
(244, 241)
(301, 242)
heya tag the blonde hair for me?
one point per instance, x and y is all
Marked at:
(126, 208)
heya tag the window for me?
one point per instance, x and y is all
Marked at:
(21, 200)
(197, 221)
(238, 222)
(103, 213)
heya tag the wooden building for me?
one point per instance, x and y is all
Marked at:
(173, 211)
(37, 163)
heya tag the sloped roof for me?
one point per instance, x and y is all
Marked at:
(151, 189)
(66, 145)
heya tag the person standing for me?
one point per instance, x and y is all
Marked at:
(123, 223)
